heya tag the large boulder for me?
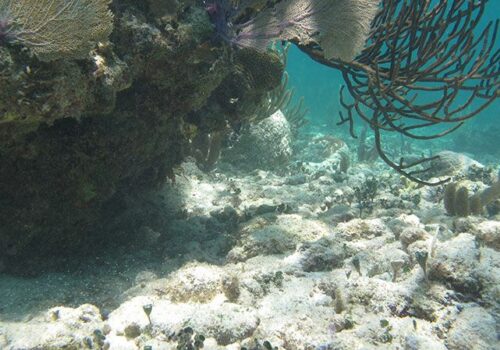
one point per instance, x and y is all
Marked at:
(266, 144)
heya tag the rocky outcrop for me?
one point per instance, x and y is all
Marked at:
(82, 139)
(263, 145)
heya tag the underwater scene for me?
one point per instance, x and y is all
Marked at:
(249, 174)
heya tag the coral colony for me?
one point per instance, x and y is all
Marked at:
(173, 176)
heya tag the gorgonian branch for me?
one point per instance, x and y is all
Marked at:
(428, 66)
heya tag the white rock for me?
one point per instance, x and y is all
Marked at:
(195, 282)
(474, 329)
(120, 343)
(413, 234)
(489, 233)
(455, 262)
(60, 327)
(403, 221)
(359, 228)
(129, 313)
(225, 322)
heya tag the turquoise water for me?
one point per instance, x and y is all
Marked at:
(320, 85)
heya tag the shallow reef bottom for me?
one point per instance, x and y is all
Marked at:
(267, 259)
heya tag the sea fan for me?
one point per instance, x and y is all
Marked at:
(338, 28)
(55, 29)
(7, 30)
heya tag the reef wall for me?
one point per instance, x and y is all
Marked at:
(82, 138)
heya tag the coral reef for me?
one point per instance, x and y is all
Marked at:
(132, 89)
(111, 175)
(288, 266)
(82, 139)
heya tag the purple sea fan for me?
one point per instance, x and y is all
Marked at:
(339, 28)
(220, 12)
(7, 29)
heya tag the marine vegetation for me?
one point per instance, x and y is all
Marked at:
(56, 29)
(365, 194)
(426, 64)
(100, 100)
(340, 28)
(187, 339)
(423, 63)
(108, 121)
(458, 202)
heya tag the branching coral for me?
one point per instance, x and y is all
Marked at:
(424, 63)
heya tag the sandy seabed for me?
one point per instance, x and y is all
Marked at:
(291, 259)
